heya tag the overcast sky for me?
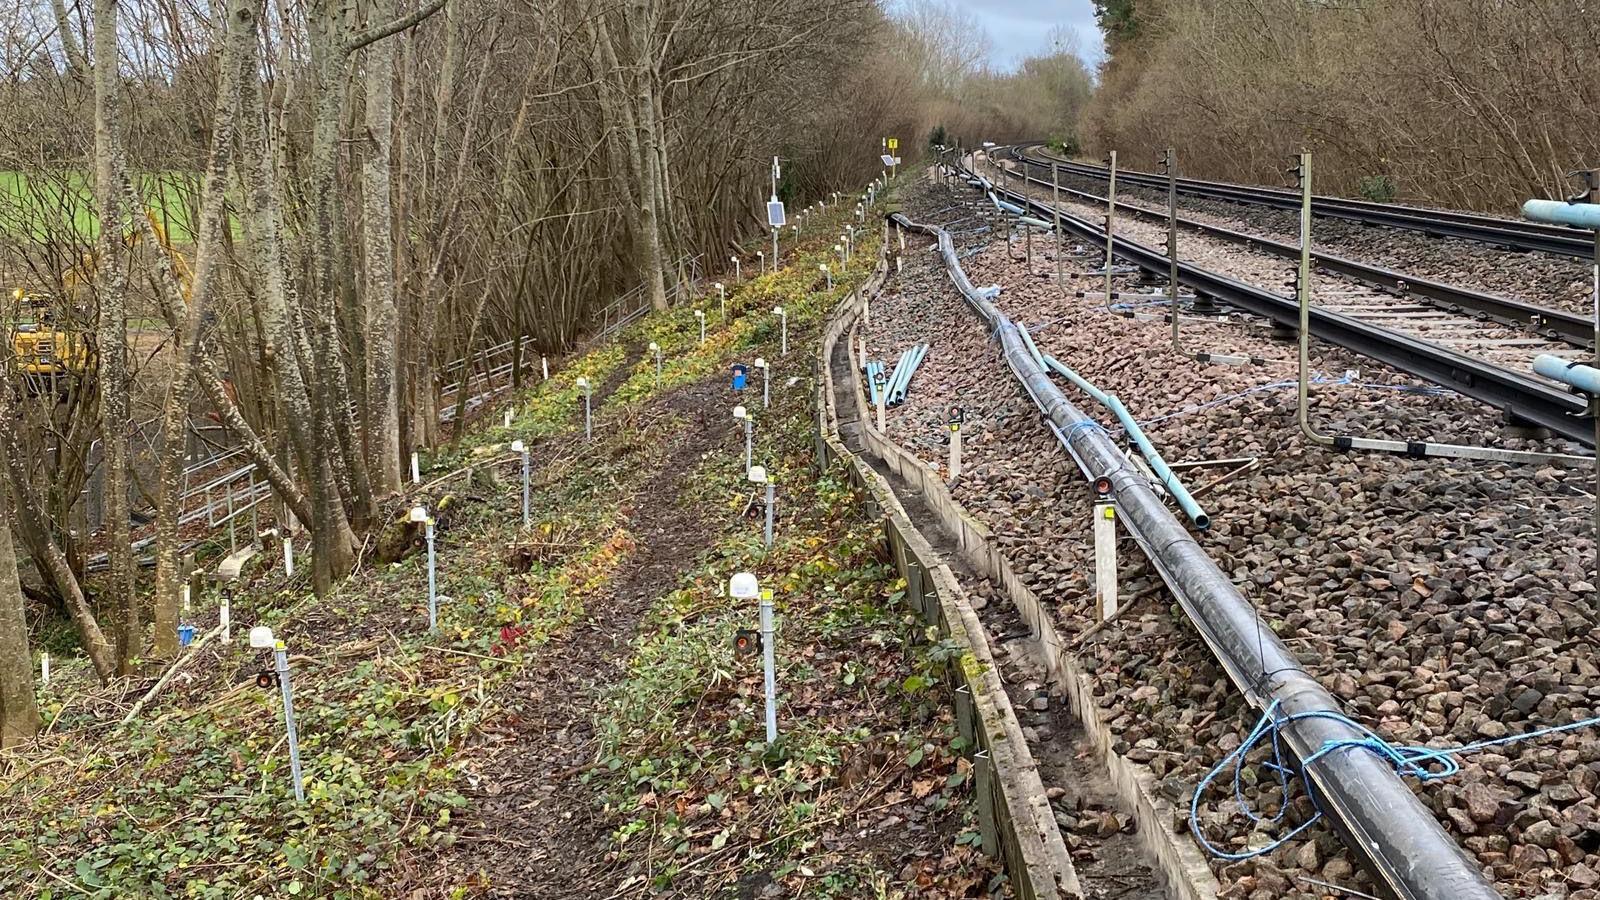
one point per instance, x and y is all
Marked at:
(1018, 28)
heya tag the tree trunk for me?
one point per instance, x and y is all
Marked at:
(333, 555)
(35, 530)
(311, 432)
(190, 334)
(382, 314)
(112, 362)
(19, 714)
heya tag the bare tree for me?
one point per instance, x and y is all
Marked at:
(19, 714)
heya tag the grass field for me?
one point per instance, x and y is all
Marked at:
(45, 205)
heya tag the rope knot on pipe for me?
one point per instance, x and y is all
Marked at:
(1423, 763)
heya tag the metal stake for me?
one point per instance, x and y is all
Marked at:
(288, 556)
(433, 581)
(769, 667)
(280, 655)
(771, 498)
(1055, 206)
(1303, 291)
(1592, 177)
(1169, 162)
(416, 473)
(527, 496)
(1111, 221)
(749, 436)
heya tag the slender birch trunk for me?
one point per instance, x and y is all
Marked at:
(190, 336)
(112, 363)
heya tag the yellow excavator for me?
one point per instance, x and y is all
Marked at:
(45, 354)
(48, 357)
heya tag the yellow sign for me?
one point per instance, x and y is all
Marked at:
(894, 143)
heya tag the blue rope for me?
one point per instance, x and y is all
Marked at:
(1082, 425)
(1422, 763)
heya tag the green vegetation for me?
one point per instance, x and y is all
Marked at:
(60, 205)
(193, 797)
(697, 793)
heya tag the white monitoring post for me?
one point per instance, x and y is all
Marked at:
(722, 299)
(656, 349)
(744, 586)
(766, 383)
(588, 408)
(261, 638)
(701, 318)
(740, 413)
(758, 475)
(419, 514)
(521, 449)
(957, 417)
(1105, 555)
(783, 330)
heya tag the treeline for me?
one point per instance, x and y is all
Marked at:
(1476, 104)
(939, 58)
(270, 227)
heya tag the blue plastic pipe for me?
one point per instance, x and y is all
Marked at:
(904, 371)
(1006, 205)
(1584, 378)
(1560, 212)
(1185, 500)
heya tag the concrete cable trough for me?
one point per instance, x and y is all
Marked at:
(1378, 817)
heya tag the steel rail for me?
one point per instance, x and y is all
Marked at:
(1376, 814)
(1508, 233)
(1520, 396)
(1548, 322)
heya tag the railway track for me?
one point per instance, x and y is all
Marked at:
(1507, 233)
(1462, 340)
(1555, 325)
